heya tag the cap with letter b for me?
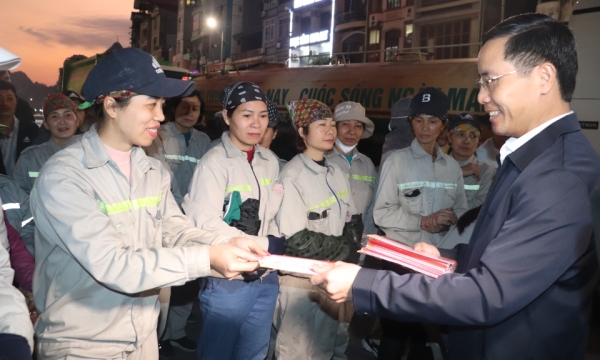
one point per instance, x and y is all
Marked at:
(430, 101)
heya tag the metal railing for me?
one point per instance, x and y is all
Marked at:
(347, 17)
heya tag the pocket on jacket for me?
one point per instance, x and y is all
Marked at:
(411, 199)
(450, 196)
(318, 220)
(122, 222)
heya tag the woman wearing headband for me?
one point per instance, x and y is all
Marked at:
(313, 217)
(109, 233)
(235, 192)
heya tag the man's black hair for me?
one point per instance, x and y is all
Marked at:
(538, 38)
(5, 85)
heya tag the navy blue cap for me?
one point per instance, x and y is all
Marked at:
(430, 101)
(463, 118)
(135, 70)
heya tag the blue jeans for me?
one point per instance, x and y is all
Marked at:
(236, 318)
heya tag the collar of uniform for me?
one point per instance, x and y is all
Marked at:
(336, 151)
(232, 151)
(419, 152)
(96, 154)
(471, 160)
(171, 128)
(525, 154)
(312, 165)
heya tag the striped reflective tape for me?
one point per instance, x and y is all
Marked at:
(472, 187)
(33, 174)
(240, 188)
(363, 178)
(266, 181)
(329, 201)
(25, 222)
(129, 204)
(429, 184)
(182, 158)
(11, 206)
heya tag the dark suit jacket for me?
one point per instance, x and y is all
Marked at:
(28, 131)
(525, 281)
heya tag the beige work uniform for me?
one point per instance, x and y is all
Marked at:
(411, 186)
(225, 169)
(305, 320)
(31, 161)
(104, 248)
(476, 190)
(362, 176)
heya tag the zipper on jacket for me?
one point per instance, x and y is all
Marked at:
(259, 192)
(333, 192)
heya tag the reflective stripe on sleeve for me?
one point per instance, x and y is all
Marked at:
(11, 206)
(33, 174)
(472, 187)
(129, 204)
(240, 188)
(25, 222)
(430, 184)
(182, 158)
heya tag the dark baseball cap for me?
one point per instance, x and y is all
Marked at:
(73, 96)
(135, 70)
(463, 118)
(430, 101)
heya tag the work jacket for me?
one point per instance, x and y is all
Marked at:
(312, 188)
(31, 161)
(225, 169)
(411, 186)
(16, 205)
(170, 144)
(14, 315)
(476, 190)
(362, 177)
(104, 247)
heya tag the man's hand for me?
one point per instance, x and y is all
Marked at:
(230, 261)
(336, 280)
(438, 221)
(248, 245)
(472, 169)
(427, 248)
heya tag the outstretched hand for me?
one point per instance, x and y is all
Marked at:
(336, 280)
(231, 260)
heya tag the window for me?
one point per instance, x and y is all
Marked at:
(284, 28)
(196, 22)
(450, 33)
(374, 37)
(269, 34)
(392, 43)
(305, 25)
(393, 4)
(325, 21)
(408, 30)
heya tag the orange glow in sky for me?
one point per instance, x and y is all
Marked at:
(45, 33)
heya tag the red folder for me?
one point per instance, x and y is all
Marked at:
(398, 253)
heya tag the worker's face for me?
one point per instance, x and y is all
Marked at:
(349, 131)
(247, 124)
(268, 138)
(187, 113)
(511, 99)
(321, 135)
(138, 122)
(5, 76)
(61, 124)
(8, 103)
(427, 128)
(463, 143)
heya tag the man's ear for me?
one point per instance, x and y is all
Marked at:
(548, 79)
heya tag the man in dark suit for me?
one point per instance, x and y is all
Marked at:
(524, 285)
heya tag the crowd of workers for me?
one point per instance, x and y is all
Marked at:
(117, 215)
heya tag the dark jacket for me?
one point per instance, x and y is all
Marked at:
(23, 111)
(524, 286)
(28, 131)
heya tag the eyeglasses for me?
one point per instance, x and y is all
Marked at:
(488, 84)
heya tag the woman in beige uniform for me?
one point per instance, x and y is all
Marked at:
(316, 206)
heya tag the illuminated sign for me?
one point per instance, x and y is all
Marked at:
(301, 3)
(306, 39)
